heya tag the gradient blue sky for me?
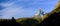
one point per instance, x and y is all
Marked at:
(24, 8)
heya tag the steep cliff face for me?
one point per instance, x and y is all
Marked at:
(53, 18)
(56, 10)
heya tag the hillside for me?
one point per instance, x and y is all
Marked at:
(21, 19)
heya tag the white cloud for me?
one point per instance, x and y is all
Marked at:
(12, 10)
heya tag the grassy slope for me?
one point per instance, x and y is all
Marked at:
(21, 19)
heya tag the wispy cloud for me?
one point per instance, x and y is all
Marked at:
(24, 8)
(11, 10)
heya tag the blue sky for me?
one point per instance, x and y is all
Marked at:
(24, 8)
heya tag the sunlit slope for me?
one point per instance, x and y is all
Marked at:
(23, 19)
